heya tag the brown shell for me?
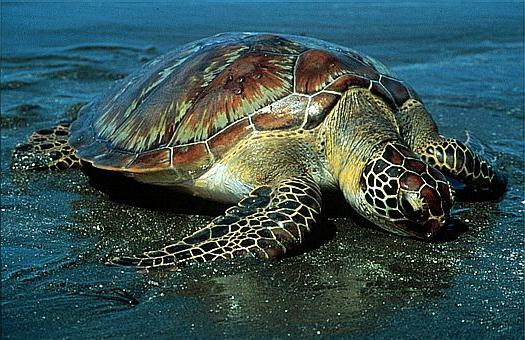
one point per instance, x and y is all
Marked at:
(186, 109)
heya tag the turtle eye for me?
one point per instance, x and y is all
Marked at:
(411, 206)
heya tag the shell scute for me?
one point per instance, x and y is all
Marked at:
(379, 90)
(346, 81)
(251, 82)
(81, 138)
(319, 106)
(271, 43)
(153, 113)
(316, 68)
(81, 130)
(285, 113)
(399, 91)
(93, 150)
(157, 160)
(111, 159)
(226, 139)
(191, 157)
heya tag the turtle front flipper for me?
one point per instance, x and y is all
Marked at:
(461, 162)
(46, 149)
(464, 162)
(268, 223)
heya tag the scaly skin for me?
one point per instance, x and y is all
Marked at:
(367, 156)
(450, 156)
(46, 149)
(267, 223)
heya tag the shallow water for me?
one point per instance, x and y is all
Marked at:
(466, 62)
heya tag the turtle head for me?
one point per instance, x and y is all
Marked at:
(404, 195)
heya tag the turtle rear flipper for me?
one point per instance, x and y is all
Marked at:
(46, 149)
(268, 223)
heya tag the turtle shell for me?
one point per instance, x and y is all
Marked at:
(186, 109)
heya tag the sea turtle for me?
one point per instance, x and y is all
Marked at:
(266, 121)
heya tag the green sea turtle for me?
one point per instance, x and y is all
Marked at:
(267, 121)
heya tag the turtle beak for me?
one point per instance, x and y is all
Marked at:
(432, 230)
